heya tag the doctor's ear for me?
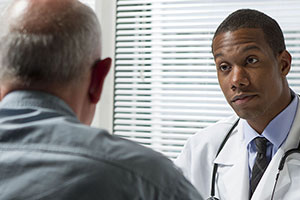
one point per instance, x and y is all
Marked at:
(285, 60)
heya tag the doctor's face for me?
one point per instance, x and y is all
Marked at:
(251, 77)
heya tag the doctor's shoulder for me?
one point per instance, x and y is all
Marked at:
(203, 143)
(212, 135)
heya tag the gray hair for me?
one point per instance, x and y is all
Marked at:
(59, 54)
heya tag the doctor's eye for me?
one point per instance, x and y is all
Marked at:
(251, 60)
(224, 67)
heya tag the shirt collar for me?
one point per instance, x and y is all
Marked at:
(34, 99)
(277, 130)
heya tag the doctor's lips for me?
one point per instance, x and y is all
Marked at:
(240, 99)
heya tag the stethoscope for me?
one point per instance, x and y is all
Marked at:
(215, 168)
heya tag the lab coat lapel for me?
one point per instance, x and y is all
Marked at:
(233, 171)
(265, 187)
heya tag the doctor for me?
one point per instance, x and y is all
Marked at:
(252, 64)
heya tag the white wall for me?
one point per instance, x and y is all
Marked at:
(106, 10)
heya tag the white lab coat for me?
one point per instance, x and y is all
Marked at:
(232, 180)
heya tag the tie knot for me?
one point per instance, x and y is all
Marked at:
(261, 145)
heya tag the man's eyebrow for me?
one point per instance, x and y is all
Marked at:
(218, 55)
(247, 48)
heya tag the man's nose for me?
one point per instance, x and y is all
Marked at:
(239, 77)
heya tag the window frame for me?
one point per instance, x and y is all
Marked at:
(106, 12)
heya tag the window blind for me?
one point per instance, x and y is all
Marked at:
(166, 86)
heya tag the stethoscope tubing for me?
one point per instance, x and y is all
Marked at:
(215, 167)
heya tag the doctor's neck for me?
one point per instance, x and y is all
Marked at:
(260, 122)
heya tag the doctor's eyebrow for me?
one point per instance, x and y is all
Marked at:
(218, 55)
(250, 47)
(247, 48)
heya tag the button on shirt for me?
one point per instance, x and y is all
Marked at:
(276, 132)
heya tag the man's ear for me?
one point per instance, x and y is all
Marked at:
(285, 60)
(99, 72)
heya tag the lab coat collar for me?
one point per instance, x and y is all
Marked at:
(265, 187)
(233, 172)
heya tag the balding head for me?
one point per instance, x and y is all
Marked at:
(48, 41)
(43, 16)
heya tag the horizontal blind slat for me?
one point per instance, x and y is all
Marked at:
(182, 116)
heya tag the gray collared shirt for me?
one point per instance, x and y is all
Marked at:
(46, 153)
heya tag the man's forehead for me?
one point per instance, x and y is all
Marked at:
(247, 38)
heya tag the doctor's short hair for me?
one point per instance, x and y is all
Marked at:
(58, 52)
(248, 18)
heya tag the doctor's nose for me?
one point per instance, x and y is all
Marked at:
(239, 78)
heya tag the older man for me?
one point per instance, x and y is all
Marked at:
(51, 78)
